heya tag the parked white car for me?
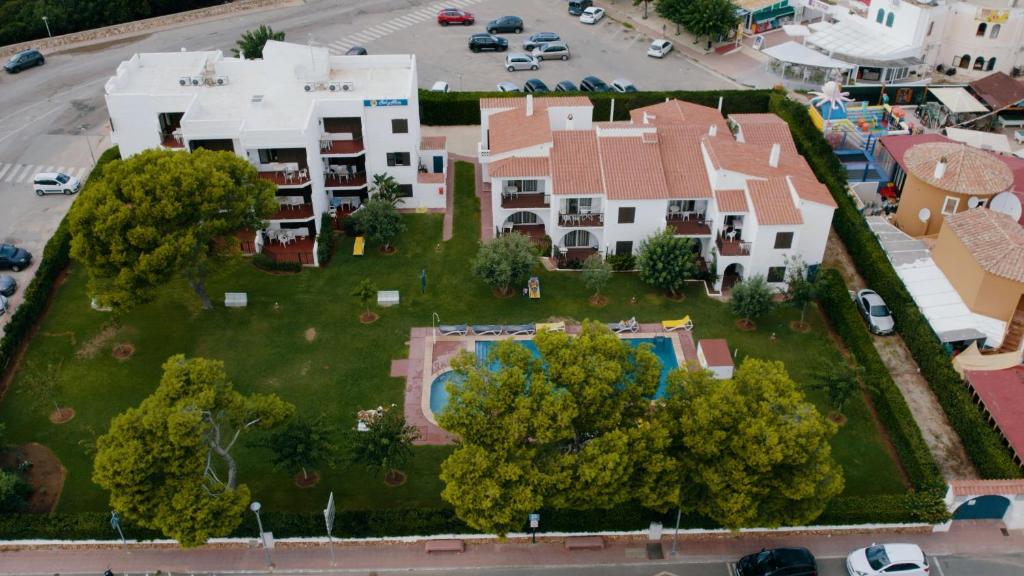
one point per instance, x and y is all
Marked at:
(659, 48)
(592, 15)
(519, 61)
(902, 559)
(623, 85)
(55, 183)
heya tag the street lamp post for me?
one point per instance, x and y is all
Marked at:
(46, 21)
(255, 507)
(675, 537)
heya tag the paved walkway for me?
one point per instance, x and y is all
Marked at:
(964, 538)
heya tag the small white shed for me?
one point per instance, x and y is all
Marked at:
(714, 355)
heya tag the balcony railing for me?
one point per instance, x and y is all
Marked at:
(689, 227)
(576, 219)
(283, 177)
(344, 179)
(292, 210)
(172, 139)
(524, 200)
(331, 144)
(727, 247)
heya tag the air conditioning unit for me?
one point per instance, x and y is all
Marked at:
(220, 80)
(1017, 71)
(196, 80)
(334, 86)
(347, 86)
(184, 81)
(309, 86)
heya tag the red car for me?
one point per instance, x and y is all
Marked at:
(454, 16)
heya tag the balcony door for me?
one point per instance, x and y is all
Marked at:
(579, 206)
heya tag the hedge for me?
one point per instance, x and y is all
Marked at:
(463, 108)
(983, 445)
(264, 262)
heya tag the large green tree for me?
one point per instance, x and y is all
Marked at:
(666, 261)
(751, 451)
(750, 299)
(303, 444)
(168, 463)
(672, 10)
(504, 261)
(380, 221)
(157, 214)
(386, 445)
(251, 44)
(711, 18)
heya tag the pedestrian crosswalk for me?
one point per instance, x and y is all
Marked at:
(396, 25)
(23, 173)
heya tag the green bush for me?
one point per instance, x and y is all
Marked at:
(325, 240)
(264, 262)
(463, 108)
(622, 262)
(352, 227)
(983, 444)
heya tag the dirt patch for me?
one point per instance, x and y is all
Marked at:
(746, 325)
(837, 417)
(388, 251)
(368, 317)
(92, 347)
(45, 475)
(63, 415)
(395, 478)
(678, 297)
(307, 480)
(123, 351)
(598, 301)
(502, 295)
(798, 326)
(310, 334)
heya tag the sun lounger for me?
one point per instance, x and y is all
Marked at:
(534, 286)
(487, 329)
(453, 329)
(520, 329)
(682, 324)
(551, 327)
(630, 325)
(359, 247)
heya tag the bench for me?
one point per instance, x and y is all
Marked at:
(387, 298)
(445, 546)
(584, 543)
(1010, 121)
(236, 299)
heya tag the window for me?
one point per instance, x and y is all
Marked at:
(777, 274)
(965, 61)
(950, 205)
(523, 218)
(995, 31)
(979, 63)
(627, 215)
(904, 567)
(399, 126)
(931, 26)
(624, 247)
(577, 239)
(880, 17)
(522, 185)
(398, 159)
(783, 240)
(405, 190)
(889, 19)
(991, 64)
(267, 155)
(981, 29)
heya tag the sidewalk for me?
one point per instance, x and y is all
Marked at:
(965, 538)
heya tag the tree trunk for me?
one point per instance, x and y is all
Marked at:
(230, 461)
(197, 281)
(305, 476)
(802, 310)
(645, 10)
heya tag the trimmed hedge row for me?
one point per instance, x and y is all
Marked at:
(463, 108)
(983, 445)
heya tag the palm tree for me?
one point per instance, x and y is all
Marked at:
(251, 44)
(386, 188)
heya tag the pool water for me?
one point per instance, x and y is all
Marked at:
(661, 346)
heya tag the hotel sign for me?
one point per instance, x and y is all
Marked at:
(387, 102)
(992, 16)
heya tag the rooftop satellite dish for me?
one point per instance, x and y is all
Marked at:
(973, 202)
(1008, 203)
(924, 215)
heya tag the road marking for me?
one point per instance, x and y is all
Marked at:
(361, 36)
(389, 27)
(730, 569)
(3, 170)
(17, 175)
(935, 561)
(407, 20)
(395, 25)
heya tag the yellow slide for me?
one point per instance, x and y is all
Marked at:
(360, 246)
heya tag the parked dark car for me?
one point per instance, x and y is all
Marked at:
(483, 42)
(875, 312)
(536, 86)
(8, 285)
(566, 86)
(24, 60)
(14, 258)
(539, 38)
(513, 24)
(594, 84)
(778, 562)
(356, 51)
(576, 7)
(454, 16)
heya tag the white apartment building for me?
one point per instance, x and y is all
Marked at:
(316, 125)
(748, 201)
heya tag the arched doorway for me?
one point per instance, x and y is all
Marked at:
(525, 223)
(982, 508)
(575, 247)
(732, 275)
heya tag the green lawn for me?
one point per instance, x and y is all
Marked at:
(346, 367)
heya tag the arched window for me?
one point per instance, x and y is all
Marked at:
(889, 19)
(981, 29)
(965, 61)
(979, 63)
(995, 31)
(991, 64)
(880, 16)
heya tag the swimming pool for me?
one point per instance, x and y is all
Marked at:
(660, 345)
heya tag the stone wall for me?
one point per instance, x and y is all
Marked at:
(139, 27)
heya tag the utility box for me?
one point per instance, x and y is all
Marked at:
(387, 298)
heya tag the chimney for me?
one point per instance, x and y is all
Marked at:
(568, 122)
(713, 130)
(529, 104)
(940, 168)
(773, 157)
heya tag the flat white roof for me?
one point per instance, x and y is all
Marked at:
(992, 141)
(853, 38)
(958, 100)
(796, 53)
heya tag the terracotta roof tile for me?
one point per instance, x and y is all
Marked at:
(575, 163)
(519, 166)
(680, 112)
(773, 203)
(513, 130)
(716, 352)
(632, 169)
(968, 171)
(751, 119)
(732, 201)
(985, 487)
(1001, 394)
(538, 101)
(433, 142)
(766, 134)
(813, 191)
(685, 173)
(998, 90)
(995, 240)
(430, 177)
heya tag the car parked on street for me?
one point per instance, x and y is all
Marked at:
(535, 86)
(875, 312)
(519, 61)
(513, 24)
(3, 305)
(623, 85)
(552, 51)
(508, 87)
(448, 16)
(482, 42)
(659, 48)
(566, 86)
(55, 183)
(24, 60)
(592, 15)
(901, 559)
(539, 38)
(594, 84)
(778, 562)
(14, 258)
(8, 285)
(356, 51)
(576, 7)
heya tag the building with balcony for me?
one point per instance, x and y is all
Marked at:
(747, 201)
(317, 126)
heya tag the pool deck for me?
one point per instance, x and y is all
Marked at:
(430, 355)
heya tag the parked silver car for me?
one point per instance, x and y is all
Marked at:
(552, 51)
(519, 61)
(875, 312)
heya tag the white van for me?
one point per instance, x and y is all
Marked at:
(55, 183)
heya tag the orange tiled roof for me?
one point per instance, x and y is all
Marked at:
(995, 240)
(433, 142)
(751, 119)
(766, 134)
(576, 163)
(813, 191)
(685, 173)
(732, 201)
(538, 101)
(968, 171)
(632, 168)
(773, 203)
(680, 112)
(982, 487)
(513, 129)
(519, 166)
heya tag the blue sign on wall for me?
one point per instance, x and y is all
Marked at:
(386, 102)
